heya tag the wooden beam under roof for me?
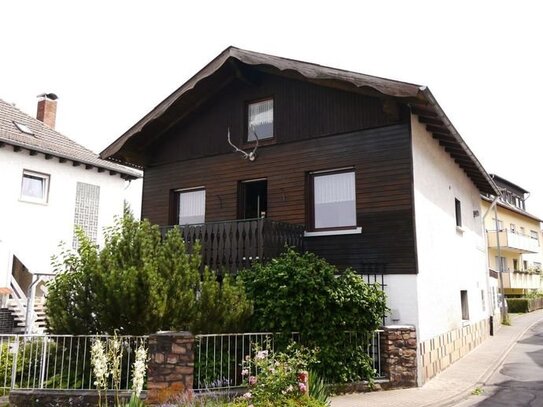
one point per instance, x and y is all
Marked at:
(430, 120)
(419, 110)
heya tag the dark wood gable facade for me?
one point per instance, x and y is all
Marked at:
(318, 125)
(315, 129)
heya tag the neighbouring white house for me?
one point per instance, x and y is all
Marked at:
(367, 172)
(50, 186)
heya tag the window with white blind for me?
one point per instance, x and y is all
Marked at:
(260, 120)
(333, 200)
(35, 187)
(191, 206)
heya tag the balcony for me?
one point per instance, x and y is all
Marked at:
(513, 242)
(230, 246)
(520, 282)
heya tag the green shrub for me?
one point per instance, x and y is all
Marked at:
(140, 283)
(517, 305)
(523, 305)
(304, 293)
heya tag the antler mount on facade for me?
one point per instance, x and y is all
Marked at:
(250, 156)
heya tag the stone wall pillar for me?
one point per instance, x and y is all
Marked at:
(399, 355)
(171, 366)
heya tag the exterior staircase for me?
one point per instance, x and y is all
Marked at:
(17, 305)
(18, 310)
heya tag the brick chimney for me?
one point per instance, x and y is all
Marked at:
(47, 109)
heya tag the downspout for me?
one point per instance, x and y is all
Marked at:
(494, 206)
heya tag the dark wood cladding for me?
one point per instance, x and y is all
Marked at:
(301, 111)
(382, 161)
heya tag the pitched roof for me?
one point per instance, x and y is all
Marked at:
(14, 125)
(421, 100)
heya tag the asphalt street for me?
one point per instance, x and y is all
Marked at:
(518, 382)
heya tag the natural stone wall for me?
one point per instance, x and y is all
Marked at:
(73, 398)
(171, 366)
(440, 352)
(399, 356)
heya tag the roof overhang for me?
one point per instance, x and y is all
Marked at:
(126, 174)
(129, 148)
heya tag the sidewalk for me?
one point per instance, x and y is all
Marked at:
(457, 381)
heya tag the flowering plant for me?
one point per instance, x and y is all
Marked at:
(277, 379)
(106, 363)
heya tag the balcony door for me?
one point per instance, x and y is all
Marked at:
(253, 199)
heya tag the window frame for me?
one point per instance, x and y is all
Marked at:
(464, 304)
(261, 141)
(176, 201)
(310, 201)
(458, 212)
(44, 200)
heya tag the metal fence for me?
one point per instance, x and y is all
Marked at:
(218, 357)
(60, 362)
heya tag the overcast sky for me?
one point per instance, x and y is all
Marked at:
(111, 62)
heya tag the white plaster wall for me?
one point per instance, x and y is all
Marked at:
(33, 231)
(402, 299)
(449, 260)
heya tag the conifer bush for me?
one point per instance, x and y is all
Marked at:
(140, 283)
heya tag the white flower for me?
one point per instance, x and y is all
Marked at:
(99, 364)
(247, 395)
(245, 372)
(263, 354)
(138, 370)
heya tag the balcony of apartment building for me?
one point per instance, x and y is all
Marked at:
(518, 283)
(512, 241)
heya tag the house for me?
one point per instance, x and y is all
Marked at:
(50, 186)
(369, 173)
(514, 239)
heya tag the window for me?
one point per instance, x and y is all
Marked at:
(497, 263)
(534, 234)
(23, 128)
(252, 199)
(500, 223)
(35, 187)
(333, 200)
(464, 304)
(191, 206)
(525, 264)
(515, 265)
(260, 120)
(458, 212)
(513, 228)
(522, 230)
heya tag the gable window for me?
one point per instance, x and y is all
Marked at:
(458, 212)
(333, 200)
(35, 187)
(191, 205)
(260, 120)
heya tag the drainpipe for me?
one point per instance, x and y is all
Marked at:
(494, 207)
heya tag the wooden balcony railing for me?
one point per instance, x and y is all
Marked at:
(230, 246)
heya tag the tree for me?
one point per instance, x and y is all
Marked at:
(140, 283)
(334, 311)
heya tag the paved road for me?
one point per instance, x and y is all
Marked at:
(518, 382)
